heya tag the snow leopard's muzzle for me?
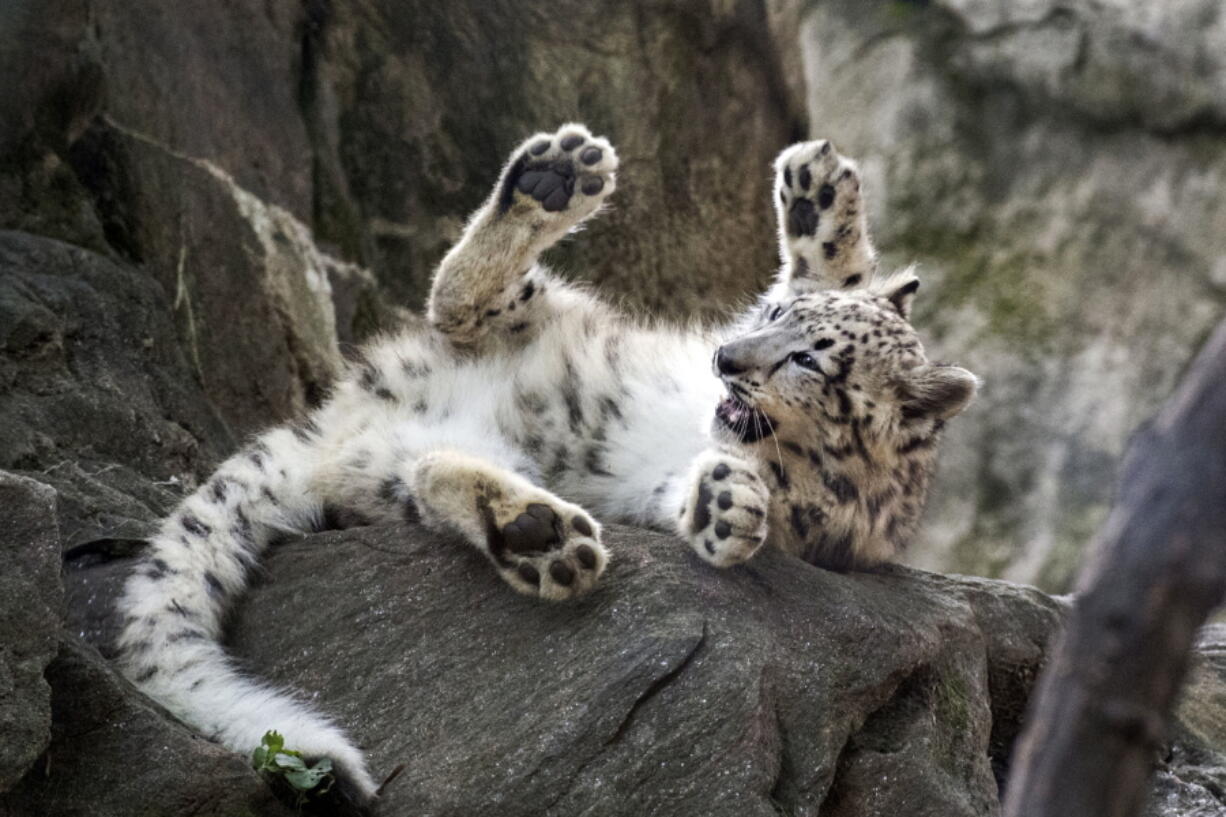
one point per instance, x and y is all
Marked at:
(737, 415)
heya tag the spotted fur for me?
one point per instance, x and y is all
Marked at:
(527, 409)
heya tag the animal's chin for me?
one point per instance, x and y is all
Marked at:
(741, 421)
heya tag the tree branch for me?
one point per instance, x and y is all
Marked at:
(1157, 570)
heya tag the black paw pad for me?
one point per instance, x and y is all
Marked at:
(802, 218)
(721, 471)
(722, 529)
(552, 184)
(702, 510)
(529, 574)
(825, 197)
(724, 500)
(539, 148)
(537, 529)
(592, 186)
(582, 525)
(571, 142)
(562, 573)
(586, 556)
(591, 156)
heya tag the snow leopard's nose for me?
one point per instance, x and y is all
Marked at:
(725, 363)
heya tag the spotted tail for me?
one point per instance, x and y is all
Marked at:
(196, 568)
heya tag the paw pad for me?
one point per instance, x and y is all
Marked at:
(537, 529)
(542, 554)
(558, 170)
(562, 573)
(726, 524)
(812, 179)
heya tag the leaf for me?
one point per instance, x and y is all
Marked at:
(305, 780)
(288, 761)
(274, 741)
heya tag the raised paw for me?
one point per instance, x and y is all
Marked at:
(562, 176)
(822, 216)
(724, 516)
(546, 548)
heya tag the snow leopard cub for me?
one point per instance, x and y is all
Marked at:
(528, 409)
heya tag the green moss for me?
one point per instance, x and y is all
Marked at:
(951, 699)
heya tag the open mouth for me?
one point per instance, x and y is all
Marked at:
(747, 423)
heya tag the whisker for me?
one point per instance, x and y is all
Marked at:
(774, 438)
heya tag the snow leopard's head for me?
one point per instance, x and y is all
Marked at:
(817, 364)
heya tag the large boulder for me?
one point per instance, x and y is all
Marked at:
(673, 688)
(380, 125)
(114, 753)
(170, 139)
(31, 615)
(1056, 168)
(96, 398)
(421, 101)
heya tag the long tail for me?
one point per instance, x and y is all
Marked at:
(197, 566)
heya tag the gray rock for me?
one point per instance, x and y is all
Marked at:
(115, 754)
(1055, 167)
(419, 112)
(673, 688)
(381, 125)
(96, 398)
(198, 173)
(31, 611)
(1191, 778)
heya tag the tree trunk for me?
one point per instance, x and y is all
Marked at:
(1156, 572)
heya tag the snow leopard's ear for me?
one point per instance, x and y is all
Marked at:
(936, 391)
(898, 288)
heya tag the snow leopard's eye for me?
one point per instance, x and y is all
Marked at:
(775, 313)
(804, 360)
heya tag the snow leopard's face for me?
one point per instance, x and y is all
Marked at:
(832, 358)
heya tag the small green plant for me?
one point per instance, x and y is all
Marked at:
(273, 760)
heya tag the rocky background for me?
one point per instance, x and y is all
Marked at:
(203, 206)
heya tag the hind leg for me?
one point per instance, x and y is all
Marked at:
(488, 288)
(540, 544)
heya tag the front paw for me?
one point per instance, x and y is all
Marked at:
(724, 516)
(822, 215)
(562, 177)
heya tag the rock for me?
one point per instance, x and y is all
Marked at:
(344, 116)
(114, 754)
(673, 688)
(98, 400)
(180, 173)
(1055, 168)
(1191, 778)
(251, 291)
(404, 94)
(31, 611)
